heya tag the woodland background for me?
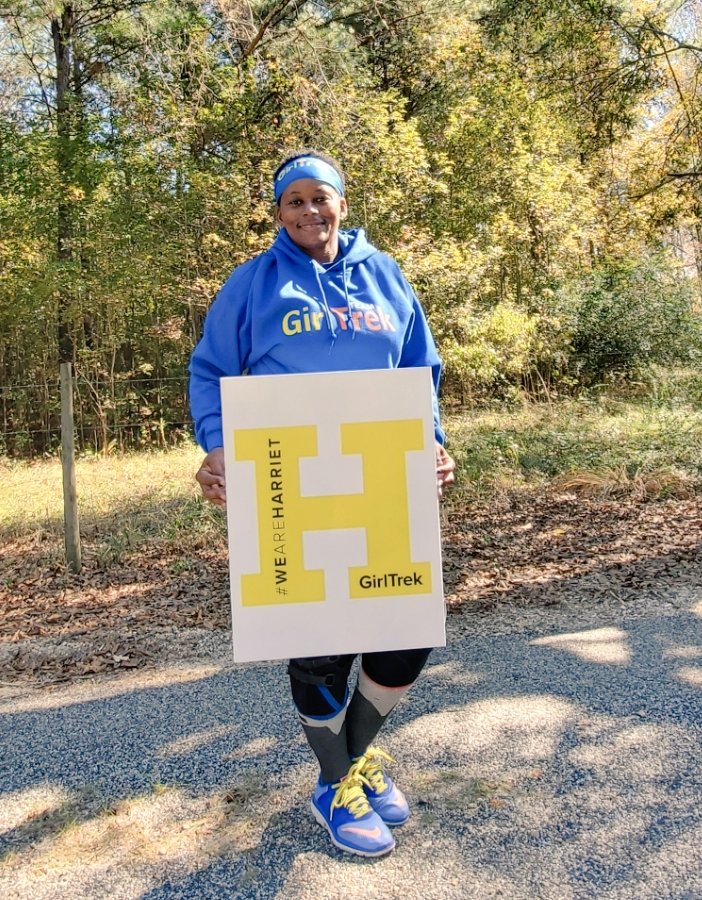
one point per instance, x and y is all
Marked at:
(534, 165)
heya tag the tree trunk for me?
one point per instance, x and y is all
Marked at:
(62, 31)
(697, 241)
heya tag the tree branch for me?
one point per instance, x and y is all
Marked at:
(275, 15)
(29, 57)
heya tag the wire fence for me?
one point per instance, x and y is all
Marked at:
(117, 413)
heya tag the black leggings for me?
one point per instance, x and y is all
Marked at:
(319, 684)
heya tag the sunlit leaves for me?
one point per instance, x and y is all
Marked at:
(501, 151)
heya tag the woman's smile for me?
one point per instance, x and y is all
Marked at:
(311, 212)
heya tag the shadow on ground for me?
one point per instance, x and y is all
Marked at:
(555, 764)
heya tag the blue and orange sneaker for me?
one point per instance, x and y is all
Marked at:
(343, 809)
(383, 795)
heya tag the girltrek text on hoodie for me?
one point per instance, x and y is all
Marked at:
(282, 312)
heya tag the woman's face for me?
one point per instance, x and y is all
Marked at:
(311, 211)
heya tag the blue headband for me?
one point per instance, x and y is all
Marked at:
(307, 167)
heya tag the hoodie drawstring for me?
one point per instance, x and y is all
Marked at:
(325, 304)
(344, 278)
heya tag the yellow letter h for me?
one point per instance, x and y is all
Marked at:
(284, 514)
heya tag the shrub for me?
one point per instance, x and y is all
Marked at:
(490, 353)
(627, 315)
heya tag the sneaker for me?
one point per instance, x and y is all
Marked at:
(383, 795)
(345, 812)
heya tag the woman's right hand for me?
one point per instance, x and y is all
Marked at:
(210, 477)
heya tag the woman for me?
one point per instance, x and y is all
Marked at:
(323, 299)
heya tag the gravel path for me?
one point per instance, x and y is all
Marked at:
(554, 757)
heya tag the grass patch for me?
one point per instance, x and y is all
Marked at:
(646, 447)
(639, 440)
(125, 501)
(107, 485)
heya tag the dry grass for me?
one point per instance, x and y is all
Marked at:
(125, 502)
(609, 447)
(32, 495)
(613, 483)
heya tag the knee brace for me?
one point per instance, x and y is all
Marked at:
(394, 668)
(319, 684)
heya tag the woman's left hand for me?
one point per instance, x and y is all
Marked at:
(445, 469)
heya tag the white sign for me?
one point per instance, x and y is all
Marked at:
(334, 542)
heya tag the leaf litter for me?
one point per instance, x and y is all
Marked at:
(525, 547)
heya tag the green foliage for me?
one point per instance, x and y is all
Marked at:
(627, 315)
(594, 60)
(490, 354)
(505, 152)
(485, 351)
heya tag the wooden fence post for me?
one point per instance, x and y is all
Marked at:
(68, 460)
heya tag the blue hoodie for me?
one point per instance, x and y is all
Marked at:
(283, 312)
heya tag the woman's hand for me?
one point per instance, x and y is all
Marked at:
(210, 477)
(445, 468)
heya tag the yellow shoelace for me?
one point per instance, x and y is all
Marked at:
(349, 792)
(372, 769)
